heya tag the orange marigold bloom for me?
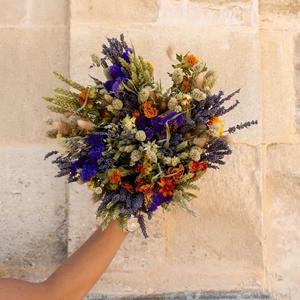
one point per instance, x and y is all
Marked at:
(128, 187)
(146, 189)
(195, 166)
(135, 113)
(139, 180)
(217, 123)
(167, 186)
(185, 85)
(177, 171)
(149, 110)
(191, 59)
(84, 97)
(115, 177)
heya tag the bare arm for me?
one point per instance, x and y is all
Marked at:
(78, 273)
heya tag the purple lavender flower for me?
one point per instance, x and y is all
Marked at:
(96, 152)
(125, 54)
(115, 71)
(95, 139)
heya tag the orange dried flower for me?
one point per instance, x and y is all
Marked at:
(185, 85)
(146, 189)
(135, 113)
(177, 171)
(128, 187)
(191, 59)
(84, 97)
(115, 177)
(195, 166)
(167, 186)
(149, 110)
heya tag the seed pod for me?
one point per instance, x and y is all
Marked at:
(86, 125)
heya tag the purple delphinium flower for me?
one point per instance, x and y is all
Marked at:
(89, 169)
(95, 139)
(96, 152)
(157, 200)
(125, 54)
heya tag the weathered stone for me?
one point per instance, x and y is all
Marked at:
(297, 81)
(237, 66)
(279, 6)
(27, 59)
(32, 216)
(13, 12)
(206, 13)
(118, 12)
(282, 220)
(210, 295)
(54, 12)
(278, 91)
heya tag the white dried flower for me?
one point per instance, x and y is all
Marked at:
(98, 190)
(172, 103)
(179, 96)
(110, 108)
(177, 75)
(172, 161)
(198, 95)
(195, 153)
(117, 104)
(108, 98)
(144, 94)
(140, 135)
(135, 155)
(128, 122)
(178, 108)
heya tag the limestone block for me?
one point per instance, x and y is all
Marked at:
(233, 54)
(33, 237)
(297, 81)
(221, 247)
(278, 90)
(282, 220)
(13, 12)
(279, 7)
(54, 12)
(114, 11)
(27, 59)
(208, 13)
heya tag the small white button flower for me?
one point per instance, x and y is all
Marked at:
(140, 135)
(117, 104)
(198, 95)
(135, 155)
(177, 75)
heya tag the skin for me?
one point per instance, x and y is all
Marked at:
(77, 275)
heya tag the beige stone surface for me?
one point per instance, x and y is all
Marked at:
(297, 81)
(236, 67)
(118, 12)
(27, 58)
(280, 6)
(282, 215)
(208, 13)
(32, 215)
(12, 12)
(278, 89)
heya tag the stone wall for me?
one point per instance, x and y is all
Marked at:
(246, 236)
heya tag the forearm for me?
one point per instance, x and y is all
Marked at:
(81, 271)
(77, 275)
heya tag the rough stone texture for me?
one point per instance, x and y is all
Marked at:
(282, 220)
(247, 233)
(208, 13)
(297, 81)
(280, 6)
(210, 295)
(104, 11)
(32, 216)
(27, 58)
(240, 55)
(279, 120)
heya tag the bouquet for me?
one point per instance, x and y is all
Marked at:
(136, 145)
